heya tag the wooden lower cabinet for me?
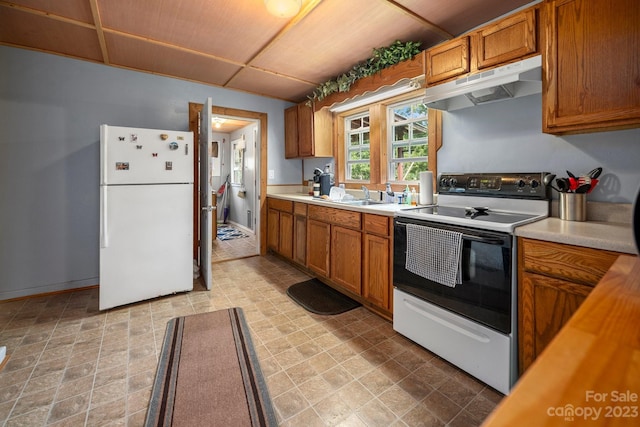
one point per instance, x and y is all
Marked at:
(376, 271)
(280, 227)
(346, 258)
(300, 233)
(553, 281)
(318, 246)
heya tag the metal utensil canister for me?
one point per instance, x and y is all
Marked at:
(573, 206)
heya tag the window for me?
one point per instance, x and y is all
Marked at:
(358, 148)
(237, 161)
(408, 141)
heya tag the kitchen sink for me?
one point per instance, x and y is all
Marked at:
(359, 202)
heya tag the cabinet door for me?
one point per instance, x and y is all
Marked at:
(591, 65)
(318, 246)
(545, 304)
(285, 242)
(447, 60)
(273, 230)
(305, 131)
(376, 268)
(300, 239)
(346, 258)
(291, 132)
(510, 38)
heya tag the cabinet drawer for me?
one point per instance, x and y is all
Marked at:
(573, 263)
(300, 209)
(377, 224)
(341, 217)
(281, 205)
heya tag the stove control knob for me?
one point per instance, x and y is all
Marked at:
(445, 182)
(534, 183)
(454, 182)
(521, 183)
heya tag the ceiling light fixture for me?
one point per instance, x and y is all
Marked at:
(283, 8)
(218, 121)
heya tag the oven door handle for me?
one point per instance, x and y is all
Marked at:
(486, 240)
(480, 239)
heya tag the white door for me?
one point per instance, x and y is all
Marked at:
(206, 233)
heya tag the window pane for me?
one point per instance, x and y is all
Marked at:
(356, 123)
(365, 138)
(400, 132)
(408, 145)
(420, 129)
(407, 171)
(355, 139)
(359, 171)
(401, 113)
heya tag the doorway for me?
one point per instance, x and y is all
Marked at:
(238, 179)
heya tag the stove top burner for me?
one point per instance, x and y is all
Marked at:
(483, 214)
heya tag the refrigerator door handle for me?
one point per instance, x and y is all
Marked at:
(104, 230)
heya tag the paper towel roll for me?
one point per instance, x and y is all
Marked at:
(426, 188)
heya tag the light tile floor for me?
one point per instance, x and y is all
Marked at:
(224, 250)
(72, 365)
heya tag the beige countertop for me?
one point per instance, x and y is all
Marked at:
(387, 209)
(617, 237)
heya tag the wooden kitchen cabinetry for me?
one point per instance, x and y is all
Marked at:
(307, 133)
(512, 38)
(346, 258)
(553, 280)
(377, 258)
(280, 227)
(447, 60)
(334, 245)
(300, 233)
(591, 65)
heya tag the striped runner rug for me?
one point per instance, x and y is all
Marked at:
(209, 375)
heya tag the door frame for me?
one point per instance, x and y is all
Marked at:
(194, 110)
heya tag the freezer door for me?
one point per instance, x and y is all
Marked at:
(145, 156)
(146, 242)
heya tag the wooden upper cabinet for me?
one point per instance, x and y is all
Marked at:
(591, 65)
(307, 133)
(447, 60)
(291, 132)
(511, 38)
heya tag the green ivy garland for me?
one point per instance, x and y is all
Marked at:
(383, 57)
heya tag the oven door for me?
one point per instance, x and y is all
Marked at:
(485, 294)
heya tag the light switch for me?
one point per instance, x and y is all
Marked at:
(272, 174)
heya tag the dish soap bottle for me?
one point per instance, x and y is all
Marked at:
(407, 196)
(414, 197)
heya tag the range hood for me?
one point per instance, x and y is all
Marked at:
(513, 80)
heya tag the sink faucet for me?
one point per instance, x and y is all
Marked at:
(367, 196)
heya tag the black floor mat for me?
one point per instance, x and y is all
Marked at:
(319, 298)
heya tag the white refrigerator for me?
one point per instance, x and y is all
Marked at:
(146, 214)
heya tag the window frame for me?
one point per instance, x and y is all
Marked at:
(378, 140)
(347, 147)
(391, 143)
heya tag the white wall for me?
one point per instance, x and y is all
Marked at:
(51, 108)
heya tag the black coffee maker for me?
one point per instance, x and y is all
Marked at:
(324, 179)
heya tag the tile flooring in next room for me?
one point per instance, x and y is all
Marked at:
(72, 365)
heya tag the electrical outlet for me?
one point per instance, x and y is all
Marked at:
(272, 174)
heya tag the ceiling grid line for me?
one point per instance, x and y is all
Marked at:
(97, 21)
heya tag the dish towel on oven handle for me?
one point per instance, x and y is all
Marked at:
(434, 254)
